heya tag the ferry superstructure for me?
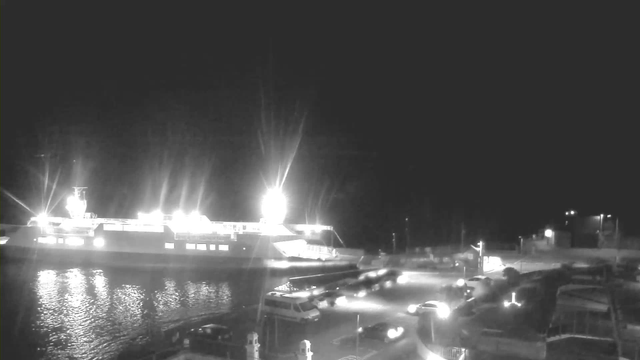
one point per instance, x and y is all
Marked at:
(177, 240)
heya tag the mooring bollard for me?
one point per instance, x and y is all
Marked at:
(253, 347)
(304, 353)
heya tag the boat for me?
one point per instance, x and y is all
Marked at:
(157, 240)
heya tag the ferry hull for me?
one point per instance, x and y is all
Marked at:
(58, 257)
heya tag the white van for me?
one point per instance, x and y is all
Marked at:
(289, 307)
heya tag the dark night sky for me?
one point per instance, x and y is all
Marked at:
(503, 122)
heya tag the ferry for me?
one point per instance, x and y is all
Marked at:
(157, 240)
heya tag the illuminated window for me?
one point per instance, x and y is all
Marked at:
(212, 247)
(47, 240)
(223, 247)
(202, 247)
(169, 245)
(191, 246)
(74, 241)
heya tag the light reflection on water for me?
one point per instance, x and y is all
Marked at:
(86, 313)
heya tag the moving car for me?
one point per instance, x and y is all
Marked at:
(329, 298)
(439, 308)
(381, 331)
(473, 281)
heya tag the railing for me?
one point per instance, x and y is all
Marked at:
(204, 347)
(217, 348)
(163, 354)
(590, 325)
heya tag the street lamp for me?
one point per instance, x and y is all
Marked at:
(550, 234)
(274, 206)
(480, 250)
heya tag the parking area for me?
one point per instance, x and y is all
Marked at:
(334, 335)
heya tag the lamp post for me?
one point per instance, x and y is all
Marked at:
(550, 235)
(480, 250)
(357, 333)
(406, 231)
(601, 222)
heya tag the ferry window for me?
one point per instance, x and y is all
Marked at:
(168, 245)
(212, 247)
(202, 247)
(191, 246)
(223, 247)
(74, 241)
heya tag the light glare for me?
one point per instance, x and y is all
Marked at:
(98, 242)
(274, 206)
(42, 219)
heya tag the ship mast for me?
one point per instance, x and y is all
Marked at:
(77, 203)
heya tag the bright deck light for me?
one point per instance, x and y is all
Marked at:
(274, 206)
(75, 206)
(98, 242)
(548, 233)
(42, 219)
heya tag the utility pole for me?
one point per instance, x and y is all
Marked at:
(617, 239)
(462, 233)
(393, 240)
(481, 259)
(406, 231)
(617, 234)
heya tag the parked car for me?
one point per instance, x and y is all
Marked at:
(210, 332)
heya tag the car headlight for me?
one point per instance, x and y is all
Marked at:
(412, 309)
(402, 279)
(361, 293)
(443, 311)
(360, 329)
(460, 282)
(392, 333)
(341, 300)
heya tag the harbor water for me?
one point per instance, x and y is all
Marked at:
(98, 312)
